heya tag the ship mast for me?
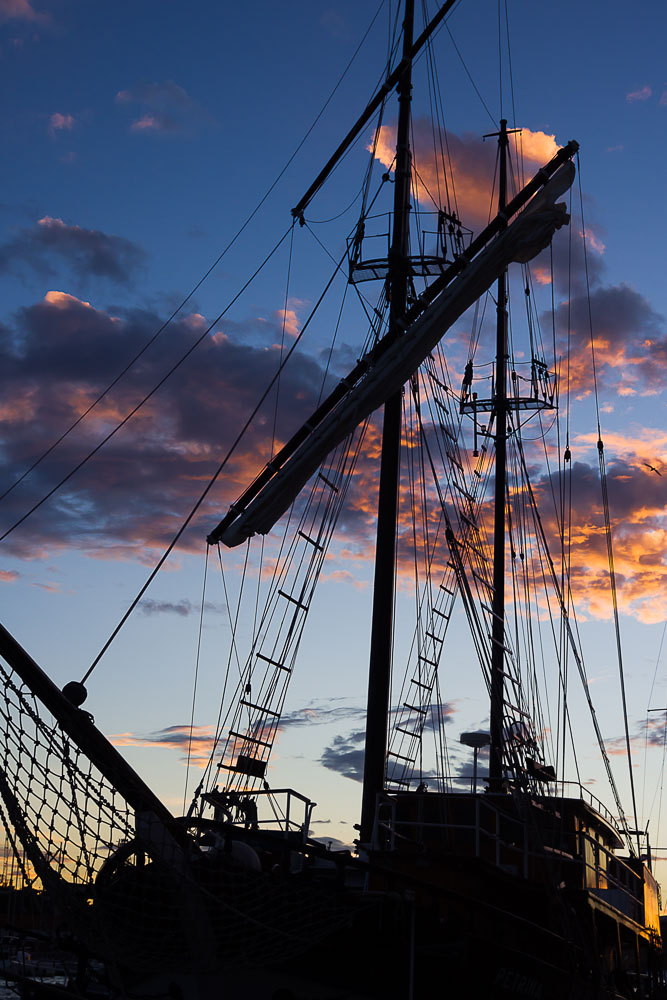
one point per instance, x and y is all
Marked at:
(382, 626)
(496, 777)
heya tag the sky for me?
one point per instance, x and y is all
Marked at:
(138, 139)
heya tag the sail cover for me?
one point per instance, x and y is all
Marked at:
(523, 239)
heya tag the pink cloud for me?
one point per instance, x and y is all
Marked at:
(593, 242)
(60, 123)
(642, 94)
(147, 123)
(8, 575)
(18, 10)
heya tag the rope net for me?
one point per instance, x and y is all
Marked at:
(121, 885)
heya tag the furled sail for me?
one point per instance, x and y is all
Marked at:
(528, 234)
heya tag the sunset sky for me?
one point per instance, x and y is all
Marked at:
(138, 138)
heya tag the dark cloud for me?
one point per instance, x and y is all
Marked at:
(88, 252)
(630, 340)
(184, 608)
(571, 263)
(320, 713)
(167, 109)
(57, 358)
(346, 755)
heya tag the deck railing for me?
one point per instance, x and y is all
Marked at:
(501, 839)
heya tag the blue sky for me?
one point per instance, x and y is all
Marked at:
(137, 140)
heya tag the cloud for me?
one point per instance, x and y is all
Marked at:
(129, 501)
(197, 742)
(649, 732)
(168, 109)
(8, 575)
(594, 242)
(630, 341)
(184, 608)
(19, 10)
(639, 528)
(321, 713)
(472, 166)
(60, 123)
(345, 755)
(57, 357)
(288, 318)
(88, 252)
(641, 94)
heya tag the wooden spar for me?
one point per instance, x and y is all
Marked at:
(382, 620)
(260, 507)
(496, 775)
(392, 80)
(362, 367)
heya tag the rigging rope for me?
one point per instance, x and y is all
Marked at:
(217, 473)
(196, 678)
(577, 657)
(149, 395)
(607, 517)
(191, 293)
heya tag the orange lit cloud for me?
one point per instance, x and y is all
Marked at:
(541, 275)
(470, 174)
(638, 524)
(288, 319)
(196, 744)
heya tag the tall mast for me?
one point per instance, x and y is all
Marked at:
(382, 627)
(500, 411)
